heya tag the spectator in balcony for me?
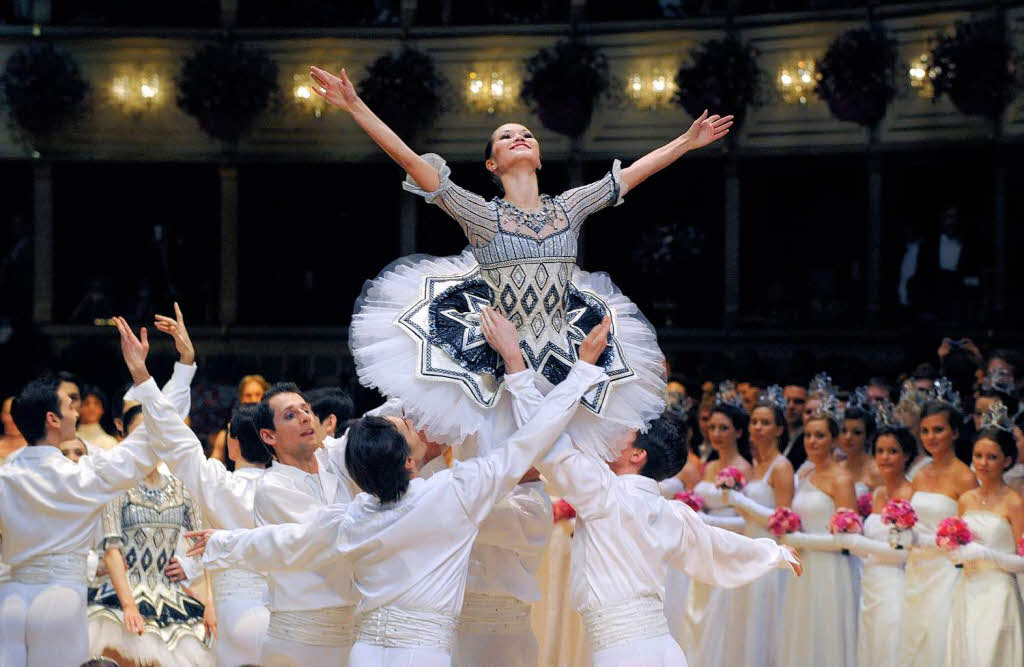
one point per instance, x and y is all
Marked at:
(938, 270)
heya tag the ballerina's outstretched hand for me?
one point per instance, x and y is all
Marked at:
(706, 130)
(337, 90)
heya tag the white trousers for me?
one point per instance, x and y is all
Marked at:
(661, 651)
(488, 649)
(286, 653)
(42, 625)
(371, 655)
(241, 627)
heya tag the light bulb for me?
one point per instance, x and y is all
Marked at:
(786, 79)
(658, 84)
(303, 92)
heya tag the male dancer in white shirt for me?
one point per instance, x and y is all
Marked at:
(409, 539)
(49, 508)
(627, 536)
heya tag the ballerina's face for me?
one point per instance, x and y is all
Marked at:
(889, 456)
(817, 440)
(853, 436)
(763, 429)
(937, 435)
(512, 144)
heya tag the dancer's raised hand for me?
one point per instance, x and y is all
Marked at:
(595, 342)
(707, 129)
(502, 335)
(134, 350)
(337, 90)
(176, 329)
(198, 539)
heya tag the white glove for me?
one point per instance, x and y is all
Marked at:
(670, 486)
(734, 523)
(880, 551)
(813, 541)
(749, 507)
(973, 552)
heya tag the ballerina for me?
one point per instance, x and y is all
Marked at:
(985, 627)
(937, 488)
(416, 332)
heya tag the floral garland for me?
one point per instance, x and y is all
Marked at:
(225, 87)
(856, 76)
(563, 86)
(43, 89)
(976, 68)
(406, 90)
(724, 77)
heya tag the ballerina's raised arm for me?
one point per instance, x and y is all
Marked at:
(339, 91)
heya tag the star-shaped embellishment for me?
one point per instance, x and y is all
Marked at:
(472, 333)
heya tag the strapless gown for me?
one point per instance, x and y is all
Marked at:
(985, 622)
(928, 588)
(820, 618)
(881, 604)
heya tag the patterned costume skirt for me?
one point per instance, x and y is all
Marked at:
(415, 337)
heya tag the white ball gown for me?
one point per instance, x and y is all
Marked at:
(820, 618)
(928, 587)
(416, 331)
(881, 604)
(755, 611)
(985, 622)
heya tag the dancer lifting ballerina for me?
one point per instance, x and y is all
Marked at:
(416, 332)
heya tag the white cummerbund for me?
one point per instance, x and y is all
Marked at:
(494, 614)
(404, 628)
(331, 626)
(237, 584)
(616, 624)
(51, 568)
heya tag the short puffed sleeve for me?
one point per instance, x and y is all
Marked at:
(580, 202)
(477, 216)
(113, 535)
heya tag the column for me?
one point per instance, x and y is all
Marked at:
(43, 264)
(228, 244)
(732, 238)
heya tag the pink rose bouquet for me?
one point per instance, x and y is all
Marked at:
(900, 516)
(730, 479)
(695, 502)
(1020, 547)
(845, 520)
(864, 504)
(783, 521)
(953, 532)
(562, 510)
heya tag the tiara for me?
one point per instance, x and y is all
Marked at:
(821, 385)
(860, 400)
(943, 392)
(998, 417)
(772, 396)
(999, 380)
(911, 398)
(829, 409)
(728, 394)
(884, 415)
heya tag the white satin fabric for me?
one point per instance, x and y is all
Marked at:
(881, 605)
(985, 627)
(820, 618)
(928, 587)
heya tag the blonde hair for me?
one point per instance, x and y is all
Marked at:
(258, 379)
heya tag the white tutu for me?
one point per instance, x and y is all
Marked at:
(149, 648)
(392, 360)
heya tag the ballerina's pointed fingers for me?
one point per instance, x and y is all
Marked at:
(713, 119)
(725, 119)
(344, 77)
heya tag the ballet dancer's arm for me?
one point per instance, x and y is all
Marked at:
(339, 91)
(702, 132)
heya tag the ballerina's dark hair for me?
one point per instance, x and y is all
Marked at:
(488, 151)
(242, 427)
(375, 455)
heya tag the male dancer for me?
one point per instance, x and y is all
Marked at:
(49, 509)
(409, 539)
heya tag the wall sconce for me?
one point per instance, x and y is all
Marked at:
(136, 91)
(920, 73)
(305, 97)
(652, 88)
(489, 89)
(796, 81)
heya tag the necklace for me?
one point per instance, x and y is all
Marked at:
(533, 220)
(155, 496)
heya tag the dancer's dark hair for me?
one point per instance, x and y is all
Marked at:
(265, 415)
(375, 455)
(30, 407)
(328, 401)
(665, 444)
(242, 427)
